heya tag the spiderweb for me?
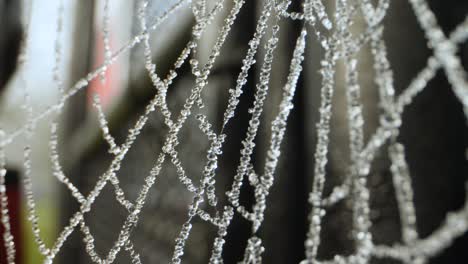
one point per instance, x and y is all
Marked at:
(339, 44)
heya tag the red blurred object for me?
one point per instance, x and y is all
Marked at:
(14, 209)
(105, 89)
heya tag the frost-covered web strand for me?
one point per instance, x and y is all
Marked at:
(247, 62)
(323, 129)
(404, 193)
(278, 129)
(444, 50)
(316, 7)
(30, 202)
(113, 147)
(359, 171)
(162, 89)
(57, 168)
(7, 237)
(58, 49)
(88, 239)
(29, 128)
(217, 141)
(459, 35)
(105, 37)
(454, 225)
(254, 122)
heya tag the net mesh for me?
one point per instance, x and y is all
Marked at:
(339, 44)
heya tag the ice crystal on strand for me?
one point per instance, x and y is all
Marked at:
(253, 251)
(332, 29)
(208, 181)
